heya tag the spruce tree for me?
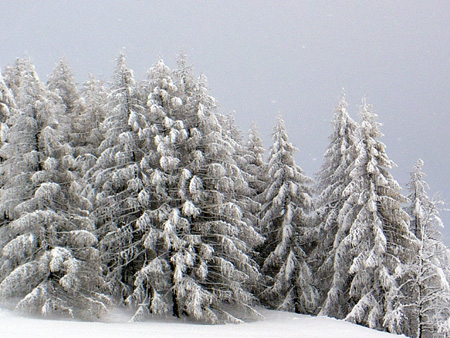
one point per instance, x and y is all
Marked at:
(289, 230)
(332, 181)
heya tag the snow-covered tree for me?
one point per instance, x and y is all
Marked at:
(161, 223)
(49, 262)
(289, 229)
(332, 180)
(197, 263)
(246, 160)
(378, 238)
(256, 174)
(115, 182)
(426, 290)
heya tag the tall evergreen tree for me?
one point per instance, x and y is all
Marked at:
(198, 245)
(332, 181)
(162, 223)
(288, 227)
(115, 182)
(378, 239)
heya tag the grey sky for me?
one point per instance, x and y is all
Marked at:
(268, 57)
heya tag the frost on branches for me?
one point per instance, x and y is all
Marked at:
(289, 230)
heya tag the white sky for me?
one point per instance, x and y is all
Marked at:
(266, 57)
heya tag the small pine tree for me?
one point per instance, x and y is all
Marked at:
(289, 231)
(426, 290)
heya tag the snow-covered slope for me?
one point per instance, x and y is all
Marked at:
(275, 324)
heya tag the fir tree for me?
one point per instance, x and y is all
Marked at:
(288, 227)
(162, 223)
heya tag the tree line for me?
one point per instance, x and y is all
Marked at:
(143, 194)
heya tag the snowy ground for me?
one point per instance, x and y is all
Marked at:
(275, 324)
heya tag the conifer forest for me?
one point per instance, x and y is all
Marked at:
(142, 194)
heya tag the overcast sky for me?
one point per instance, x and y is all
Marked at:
(263, 58)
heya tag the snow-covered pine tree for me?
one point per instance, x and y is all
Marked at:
(426, 301)
(199, 243)
(378, 239)
(248, 197)
(162, 223)
(287, 224)
(34, 112)
(226, 270)
(115, 183)
(49, 263)
(331, 261)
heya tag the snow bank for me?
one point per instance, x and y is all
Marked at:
(275, 324)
